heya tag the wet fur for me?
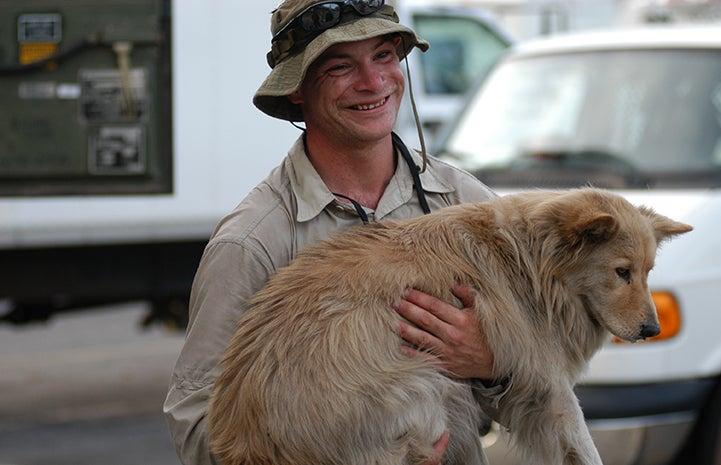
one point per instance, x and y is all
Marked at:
(314, 374)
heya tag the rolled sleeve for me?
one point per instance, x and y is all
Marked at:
(185, 411)
(228, 275)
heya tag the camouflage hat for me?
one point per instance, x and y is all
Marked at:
(290, 61)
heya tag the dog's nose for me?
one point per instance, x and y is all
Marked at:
(650, 330)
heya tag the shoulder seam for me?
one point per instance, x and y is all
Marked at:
(466, 174)
(240, 239)
(455, 168)
(249, 247)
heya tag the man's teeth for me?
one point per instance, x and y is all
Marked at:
(371, 106)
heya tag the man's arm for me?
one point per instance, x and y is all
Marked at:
(228, 275)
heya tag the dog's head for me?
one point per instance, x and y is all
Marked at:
(612, 245)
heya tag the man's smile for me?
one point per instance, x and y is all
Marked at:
(370, 106)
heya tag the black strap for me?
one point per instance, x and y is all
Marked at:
(358, 208)
(415, 172)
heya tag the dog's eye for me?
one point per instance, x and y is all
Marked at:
(624, 273)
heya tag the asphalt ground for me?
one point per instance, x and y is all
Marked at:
(86, 388)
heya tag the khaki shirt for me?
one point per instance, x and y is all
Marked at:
(289, 210)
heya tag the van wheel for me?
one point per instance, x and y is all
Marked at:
(710, 434)
(704, 445)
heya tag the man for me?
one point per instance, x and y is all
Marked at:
(335, 66)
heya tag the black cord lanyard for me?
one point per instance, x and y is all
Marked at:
(415, 172)
(358, 207)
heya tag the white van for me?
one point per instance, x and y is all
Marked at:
(127, 130)
(638, 112)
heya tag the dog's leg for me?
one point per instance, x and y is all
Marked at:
(464, 416)
(548, 426)
(574, 438)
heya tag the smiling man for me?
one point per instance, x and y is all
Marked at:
(335, 67)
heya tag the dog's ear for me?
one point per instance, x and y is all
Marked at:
(664, 228)
(581, 217)
(590, 227)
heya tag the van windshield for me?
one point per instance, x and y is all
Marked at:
(616, 119)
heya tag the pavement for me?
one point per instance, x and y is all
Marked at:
(86, 388)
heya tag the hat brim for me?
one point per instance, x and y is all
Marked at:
(286, 78)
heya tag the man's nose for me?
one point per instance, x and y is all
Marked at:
(370, 78)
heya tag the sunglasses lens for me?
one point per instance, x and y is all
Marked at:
(322, 17)
(366, 7)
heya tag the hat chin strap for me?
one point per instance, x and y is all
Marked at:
(419, 126)
(298, 126)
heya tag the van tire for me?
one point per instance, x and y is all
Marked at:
(704, 445)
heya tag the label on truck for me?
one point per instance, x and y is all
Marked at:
(117, 150)
(106, 96)
(38, 36)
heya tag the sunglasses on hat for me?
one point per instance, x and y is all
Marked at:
(315, 19)
(321, 16)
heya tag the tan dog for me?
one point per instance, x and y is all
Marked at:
(314, 374)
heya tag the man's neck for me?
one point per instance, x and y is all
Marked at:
(360, 172)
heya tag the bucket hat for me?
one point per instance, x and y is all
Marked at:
(289, 69)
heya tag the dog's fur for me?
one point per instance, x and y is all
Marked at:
(314, 374)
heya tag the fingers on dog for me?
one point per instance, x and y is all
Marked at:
(419, 316)
(419, 338)
(443, 311)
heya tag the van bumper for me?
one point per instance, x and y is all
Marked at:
(640, 424)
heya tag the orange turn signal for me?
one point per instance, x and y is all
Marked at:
(669, 316)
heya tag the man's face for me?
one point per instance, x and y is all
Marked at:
(353, 91)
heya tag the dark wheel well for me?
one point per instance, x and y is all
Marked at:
(704, 444)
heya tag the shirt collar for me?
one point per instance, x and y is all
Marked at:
(312, 195)
(400, 189)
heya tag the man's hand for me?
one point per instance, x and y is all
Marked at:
(439, 448)
(449, 332)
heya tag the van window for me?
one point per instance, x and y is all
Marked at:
(462, 50)
(622, 118)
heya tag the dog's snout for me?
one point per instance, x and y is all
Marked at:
(650, 330)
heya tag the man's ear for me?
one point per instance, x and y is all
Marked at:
(664, 228)
(397, 42)
(295, 98)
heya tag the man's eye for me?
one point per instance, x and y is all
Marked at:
(337, 68)
(624, 273)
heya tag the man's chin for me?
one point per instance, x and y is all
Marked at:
(380, 125)
(371, 134)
